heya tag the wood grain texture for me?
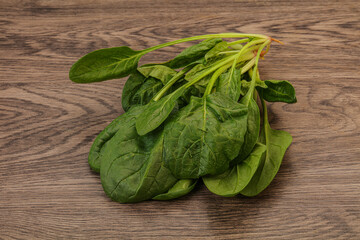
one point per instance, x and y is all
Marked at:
(48, 123)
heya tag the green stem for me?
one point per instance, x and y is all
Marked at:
(265, 120)
(250, 92)
(247, 66)
(227, 52)
(248, 49)
(220, 35)
(258, 55)
(238, 41)
(212, 69)
(239, 57)
(225, 61)
(221, 63)
(214, 77)
(265, 111)
(255, 95)
(195, 80)
(249, 44)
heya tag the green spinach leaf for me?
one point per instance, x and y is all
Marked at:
(105, 64)
(146, 92)
(245, 85)
(193, 53)
(161, 72)
(181, 188)
(235, 179)
(276, 142)
(252, 130)
(229, 83)
(213, 54)
(278, 91)
(100, 141)
(197, 70)
(157, 112)
(200, 138)
(132, 167)
(131, 86)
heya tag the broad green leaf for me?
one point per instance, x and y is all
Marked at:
(236, 178)
(193, 53)
(278, 91)
(101, 139)
(161, 72)
(131, 86)
(204, 136)
(157, 112)
(105, 64)
(132, 167)
(229, 83)
(276, 142)
(181, 188)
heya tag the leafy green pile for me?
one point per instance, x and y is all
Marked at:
(195, 116)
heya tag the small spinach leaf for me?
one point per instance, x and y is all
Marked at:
(105, 64)
(131, 86)
(146, 92)
(193, 53)
(161, 72)
(235, 179)
(181, 188)
(157, 112)
(229, 83)
(278, 91)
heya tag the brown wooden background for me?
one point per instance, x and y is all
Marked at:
(48, 123)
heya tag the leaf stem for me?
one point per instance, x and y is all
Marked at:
(212, 69)
(247, 66)
(265, 119)
(225, 61)
(214, 77)
(238, 41)
(237, 59)
(227, 52)
(250, 92)
(220, 35)
(216, 67)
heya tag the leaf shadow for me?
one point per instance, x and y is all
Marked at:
(242, 214)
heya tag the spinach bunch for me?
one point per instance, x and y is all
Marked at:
(194, 116)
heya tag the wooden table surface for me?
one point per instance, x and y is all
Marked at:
(48, 123)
